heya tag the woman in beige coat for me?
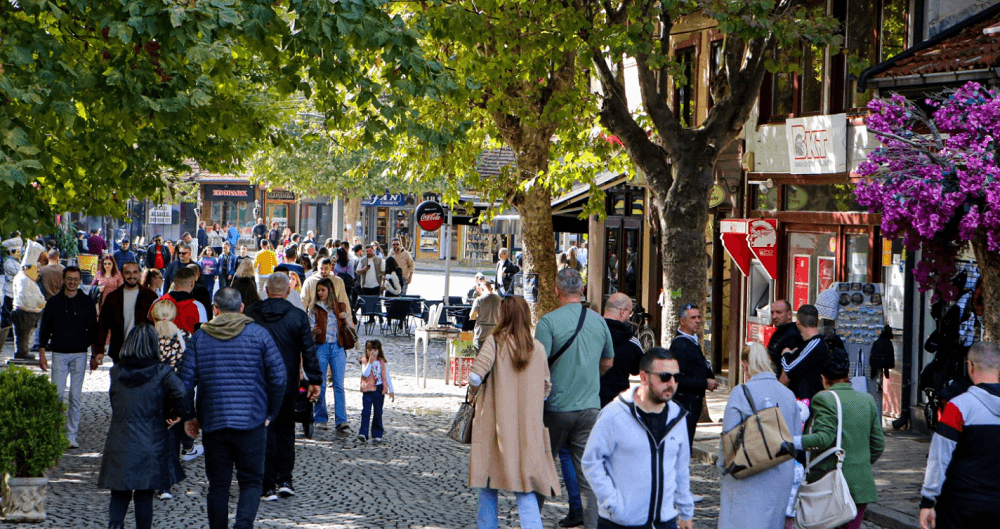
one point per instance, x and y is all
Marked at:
(510, 445)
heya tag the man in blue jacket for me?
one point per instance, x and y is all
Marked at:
(238, 396)
(639, 430)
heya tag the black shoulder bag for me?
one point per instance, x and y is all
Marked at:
(579, 325)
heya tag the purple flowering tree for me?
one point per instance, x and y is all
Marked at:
(935, 182)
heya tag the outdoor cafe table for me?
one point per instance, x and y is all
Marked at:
(425, 333)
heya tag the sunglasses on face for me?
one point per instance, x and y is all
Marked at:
(667, 376)
(184, 253)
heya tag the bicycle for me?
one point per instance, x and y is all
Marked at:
(640, 320)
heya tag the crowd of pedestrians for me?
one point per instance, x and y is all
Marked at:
(226, 347)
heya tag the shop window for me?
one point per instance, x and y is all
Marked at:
(617, 204)
(811, 80)
(812, 262)
(763, 197)
(638, 203)
(684, 87)
(857, 258)
(821, 197)
(716, 64)
(792, 94)
(875, 31)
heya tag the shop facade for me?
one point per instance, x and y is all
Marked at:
(234, 202)
(280, 207)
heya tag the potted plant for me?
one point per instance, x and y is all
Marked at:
(32, 439)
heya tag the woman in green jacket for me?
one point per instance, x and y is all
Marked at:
(862, 438)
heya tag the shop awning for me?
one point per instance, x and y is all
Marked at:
(967, 51)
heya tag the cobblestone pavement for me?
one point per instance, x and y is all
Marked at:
(416, 479)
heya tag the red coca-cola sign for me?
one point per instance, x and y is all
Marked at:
(430, 215)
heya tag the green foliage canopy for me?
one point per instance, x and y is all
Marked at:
(106, 100)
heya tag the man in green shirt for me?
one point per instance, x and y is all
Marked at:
(572, 407)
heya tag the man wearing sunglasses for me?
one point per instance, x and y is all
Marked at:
(696, 372)
(642, 429)
(185, 255)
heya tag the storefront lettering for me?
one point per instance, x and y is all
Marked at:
(238, 193)
(280, 195)
(810, 144)
(817, 144)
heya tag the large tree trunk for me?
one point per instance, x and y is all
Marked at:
(352, 214)
(538, 238)
(989, 267)
(537, 233)
(683, 215)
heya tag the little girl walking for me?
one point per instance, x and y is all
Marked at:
(375, 383)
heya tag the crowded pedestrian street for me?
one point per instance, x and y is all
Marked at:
(416, 478)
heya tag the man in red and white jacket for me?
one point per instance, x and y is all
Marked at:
(961, 488)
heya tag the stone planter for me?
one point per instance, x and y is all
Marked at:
(23, 499)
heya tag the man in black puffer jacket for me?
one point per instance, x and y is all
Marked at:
(289, 327)
(628, 351)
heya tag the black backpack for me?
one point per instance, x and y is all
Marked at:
(883, 355)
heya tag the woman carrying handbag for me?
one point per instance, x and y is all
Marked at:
(860, 436)
(751, 502)
(510, 444)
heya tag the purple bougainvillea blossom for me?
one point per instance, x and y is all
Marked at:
(935, 179)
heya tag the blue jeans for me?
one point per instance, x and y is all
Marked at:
(245, 450)
(569, 478)
(527, 510)
(372, 399)
(332, 355)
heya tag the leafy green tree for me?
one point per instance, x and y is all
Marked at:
(525, 86)
(311, 163)
(106, 100)
(678, 158)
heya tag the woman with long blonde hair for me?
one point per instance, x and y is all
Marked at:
(510, 445)
(172, 342)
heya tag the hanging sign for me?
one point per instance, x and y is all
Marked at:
(762, 238)
(430, 215)
(734, 239)
(717, 196)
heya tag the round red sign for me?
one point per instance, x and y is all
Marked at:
(430, 215)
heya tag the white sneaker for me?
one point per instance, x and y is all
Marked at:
(165, 495)
(74, 444)
(193, 453)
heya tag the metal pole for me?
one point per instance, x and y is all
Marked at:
(447, 258)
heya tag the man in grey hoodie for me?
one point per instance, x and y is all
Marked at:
(639, 430)
(238, 396)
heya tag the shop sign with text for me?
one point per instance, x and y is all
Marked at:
(234, 193)
(280, 194)
(817, 144)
